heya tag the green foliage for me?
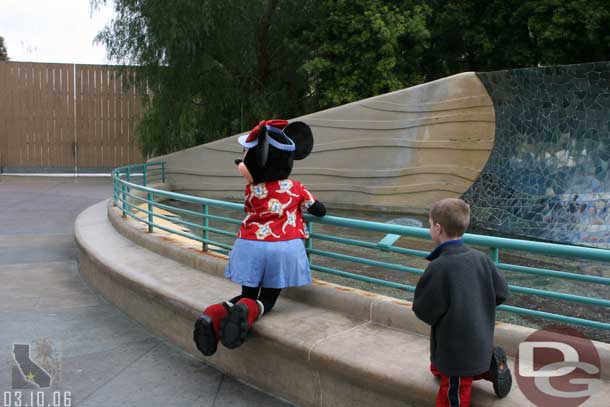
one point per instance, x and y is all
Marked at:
(363, 48)
(3, 53)
(484, 35)
(569, 31)
(477, 35)
(213, 68)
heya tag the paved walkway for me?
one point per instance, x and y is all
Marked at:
(91, 350)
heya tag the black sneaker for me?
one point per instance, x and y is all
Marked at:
(234, 328)
(204, 335)
(500, 373)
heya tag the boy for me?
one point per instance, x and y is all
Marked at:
(457, 296)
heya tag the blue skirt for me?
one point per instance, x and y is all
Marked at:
(269, 264)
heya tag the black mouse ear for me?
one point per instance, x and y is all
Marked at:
(262, 149)
(302, 136)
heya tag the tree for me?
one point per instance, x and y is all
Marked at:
(3, 53)
(364, 48)
(570, 31)
(485, 35)
(212, 68)
(477, 35)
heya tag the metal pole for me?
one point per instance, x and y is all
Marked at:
(150, 212)
(123, 202)
(309, 242)
(128, 178)
(205, 228)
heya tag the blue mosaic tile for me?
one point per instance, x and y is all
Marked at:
(548, 174)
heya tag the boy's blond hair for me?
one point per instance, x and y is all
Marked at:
(452, 214)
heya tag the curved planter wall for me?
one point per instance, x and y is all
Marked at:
(399, 151)
(529, 149)
(323, 345)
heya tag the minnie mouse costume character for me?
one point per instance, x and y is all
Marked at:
(269, 253)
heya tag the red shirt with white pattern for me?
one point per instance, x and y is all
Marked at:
(274, 211)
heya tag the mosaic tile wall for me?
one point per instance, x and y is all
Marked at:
(548, 175)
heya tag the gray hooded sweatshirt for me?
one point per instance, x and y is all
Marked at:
(457, 296)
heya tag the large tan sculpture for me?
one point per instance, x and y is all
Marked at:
(398, 151)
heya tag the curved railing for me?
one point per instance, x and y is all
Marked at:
(137, 199)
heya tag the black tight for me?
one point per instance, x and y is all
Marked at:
(268, 296)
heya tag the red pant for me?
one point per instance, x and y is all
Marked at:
(455, 391)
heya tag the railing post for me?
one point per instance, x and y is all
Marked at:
(124, 193)
(205, 227)
(127, 190)
(150, 212)
(163, 171)
(123, 201)
(115, 193)
(495, 255)
(309, 242)
(144, 174)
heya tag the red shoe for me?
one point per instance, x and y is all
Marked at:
(207, 327)
(234, 328)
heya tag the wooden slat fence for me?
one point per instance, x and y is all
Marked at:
(66, 118)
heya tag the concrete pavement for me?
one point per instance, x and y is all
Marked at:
(96, 355)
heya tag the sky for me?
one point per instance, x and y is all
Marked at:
(59, 31)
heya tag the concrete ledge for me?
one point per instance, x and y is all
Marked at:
(324, 345)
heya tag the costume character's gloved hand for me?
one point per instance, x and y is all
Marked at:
(317, 209)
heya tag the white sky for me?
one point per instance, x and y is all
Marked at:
(53, 30)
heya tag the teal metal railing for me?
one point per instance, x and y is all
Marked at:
(137, 199)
